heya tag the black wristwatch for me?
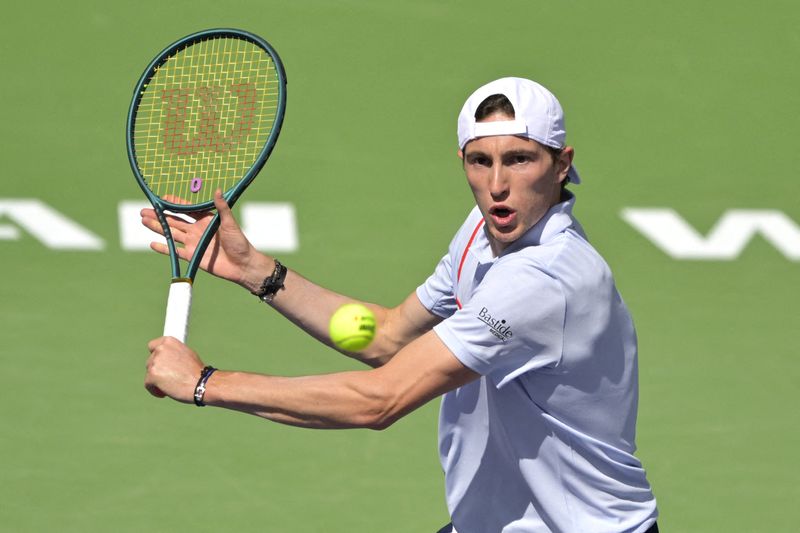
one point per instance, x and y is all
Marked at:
(273, 283)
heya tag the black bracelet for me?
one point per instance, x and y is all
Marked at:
(200, 389)
(273, 283)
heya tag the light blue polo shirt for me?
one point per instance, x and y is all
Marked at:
(544, 441)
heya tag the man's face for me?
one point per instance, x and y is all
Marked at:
(515, 182)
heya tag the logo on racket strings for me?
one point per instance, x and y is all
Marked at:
(196, 116)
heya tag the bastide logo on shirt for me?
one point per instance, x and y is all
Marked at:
(497, 327)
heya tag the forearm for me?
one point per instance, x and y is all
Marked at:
(372, 398)
(333, 401)
(310, 306)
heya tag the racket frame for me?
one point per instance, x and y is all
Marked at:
(179, 301)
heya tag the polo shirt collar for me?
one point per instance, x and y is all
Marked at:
(557, 219)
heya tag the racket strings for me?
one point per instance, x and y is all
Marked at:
(204, 117)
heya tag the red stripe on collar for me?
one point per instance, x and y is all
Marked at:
(464, 253)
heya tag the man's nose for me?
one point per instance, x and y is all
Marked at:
(498, 182)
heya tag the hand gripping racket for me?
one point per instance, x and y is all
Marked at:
(205, 115)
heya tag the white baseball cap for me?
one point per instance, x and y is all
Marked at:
(538, 115)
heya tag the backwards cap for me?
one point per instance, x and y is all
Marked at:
(537, 115)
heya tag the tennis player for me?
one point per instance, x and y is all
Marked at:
(520, 328)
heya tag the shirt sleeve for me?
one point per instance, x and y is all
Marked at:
(436, 294)
(512, 324)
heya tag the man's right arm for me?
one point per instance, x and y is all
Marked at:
(231, 256)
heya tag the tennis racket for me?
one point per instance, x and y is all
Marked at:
(205, 115)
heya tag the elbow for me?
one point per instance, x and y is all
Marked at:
(379, 423)
(382, 411)
(380, 400)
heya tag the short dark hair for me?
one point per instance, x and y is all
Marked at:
(494, 104)
(499, 104)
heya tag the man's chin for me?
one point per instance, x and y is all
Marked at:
(503, 237)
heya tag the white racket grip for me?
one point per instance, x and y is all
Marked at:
(179, 304)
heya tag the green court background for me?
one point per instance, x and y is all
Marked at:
(686, 105)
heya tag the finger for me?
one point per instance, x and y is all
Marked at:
(177, 227)
(197, 215)
(168, 340)
(179, 224)
(152, 224)
(227, 221)
(178, 235)
(171, 198)
(183, 253)
(159, 247)
(151, 220)
(200, 215)
(155, 343)
(155, 391)
(148, 380)
(223, 208)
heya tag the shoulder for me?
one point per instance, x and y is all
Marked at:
(568, 252)
(512, 323)
(520, 281)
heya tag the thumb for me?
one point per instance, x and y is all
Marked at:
(227, 221)
(222, 206)
(226, 218)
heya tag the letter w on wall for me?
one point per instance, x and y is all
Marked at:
(725, 241)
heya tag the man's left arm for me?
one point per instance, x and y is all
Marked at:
(421, 371)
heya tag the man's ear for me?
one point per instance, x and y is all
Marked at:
(564, 162)
(460, 154)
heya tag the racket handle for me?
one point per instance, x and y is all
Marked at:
(179, 304)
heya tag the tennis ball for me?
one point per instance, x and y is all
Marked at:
(352, 327)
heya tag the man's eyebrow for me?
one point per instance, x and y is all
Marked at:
(474, 153)
(521, 151)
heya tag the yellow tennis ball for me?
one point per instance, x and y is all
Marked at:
(352, 327)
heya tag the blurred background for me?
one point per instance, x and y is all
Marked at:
(682, 107)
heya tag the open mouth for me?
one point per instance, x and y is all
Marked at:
(502, 215)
